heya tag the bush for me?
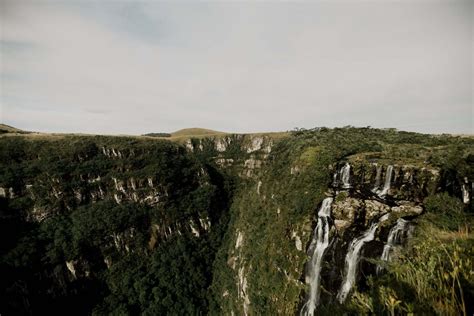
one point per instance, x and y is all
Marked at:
(448, 210)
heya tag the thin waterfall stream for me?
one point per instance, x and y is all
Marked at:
(394, 237)
(353, 257)
(318, 245)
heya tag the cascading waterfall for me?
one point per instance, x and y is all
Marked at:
(465, 194)
(353, 256)
(335, 179)
(378, 179)
(345, 176)
(394, 238)
(318, 245)
(388, 181)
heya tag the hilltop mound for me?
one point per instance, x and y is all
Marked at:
(4, 128)
(195, 132)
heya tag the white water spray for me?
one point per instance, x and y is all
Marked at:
(394, 238)
(465, 194)
(353, 257)
(378, 179)
(319, 243)
(388, 180)
(345, 176)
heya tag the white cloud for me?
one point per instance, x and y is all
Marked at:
(139, 67)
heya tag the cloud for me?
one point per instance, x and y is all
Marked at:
(138, 67)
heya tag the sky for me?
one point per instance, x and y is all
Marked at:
(128, 67)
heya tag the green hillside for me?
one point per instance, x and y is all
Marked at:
(4, 128)
(195, 132)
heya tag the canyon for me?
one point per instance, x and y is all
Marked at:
(299, 223)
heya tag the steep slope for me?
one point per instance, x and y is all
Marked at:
(4, 128)
(138, 220)
(260, 269)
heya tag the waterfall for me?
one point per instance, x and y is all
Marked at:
(353, 256)
(378, 178)
(335, 183)
(394, 238)
(345, 176)
(318, 245)
(465, 194)
(388, 181)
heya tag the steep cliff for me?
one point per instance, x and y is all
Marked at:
(273, 233)
(220, 224)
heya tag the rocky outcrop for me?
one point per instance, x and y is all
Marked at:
(115, 153)
(242, 290)
(245, 154)
(346, 209)
(406, 182)
(88, 189)
(375, 189)
(237, 263)
(369, 199)
(78, 268)
(7, 193)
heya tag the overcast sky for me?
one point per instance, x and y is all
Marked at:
(135, 67)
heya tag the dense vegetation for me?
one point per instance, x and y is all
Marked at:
(172, 275)
(137, 257)
(158, 134)
(434, 273)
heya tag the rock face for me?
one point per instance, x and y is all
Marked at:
(78, 269)
(369, 199)
(400, 182)
(92, 189)
(346, 209)
(244, 154)
(237, 263)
